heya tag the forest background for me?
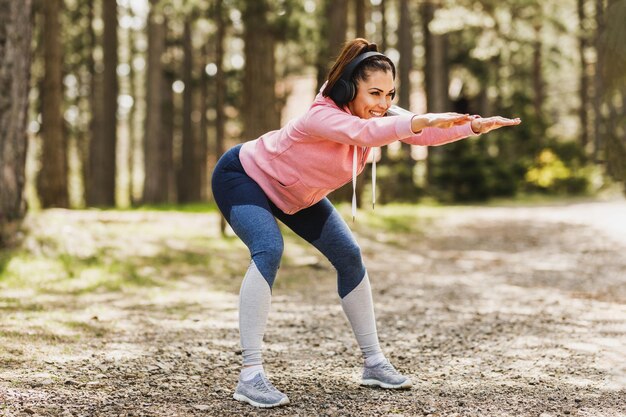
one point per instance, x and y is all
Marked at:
(118, 289)
(131, 102)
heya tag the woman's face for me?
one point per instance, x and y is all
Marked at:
(373, 95)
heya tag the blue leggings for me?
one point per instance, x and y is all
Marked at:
(253, 218)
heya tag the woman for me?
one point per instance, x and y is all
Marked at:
(286, 175)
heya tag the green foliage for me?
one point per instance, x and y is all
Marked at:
(559, 169)
(395, 183)
(467, 172)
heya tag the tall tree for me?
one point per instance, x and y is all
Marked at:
(360, 12)
(333, 36)
(15, 56)
(189, 182)
(435, 75)
(260, 112)
(405, 65)
(155, 189)
(614, 55)
(383, 25)
(52, 179)
(102, 149)
(583, 45)
(220, 88)
(598, 82)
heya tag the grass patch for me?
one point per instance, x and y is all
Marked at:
(183, 208)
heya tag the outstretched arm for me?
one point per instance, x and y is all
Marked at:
(438, 120)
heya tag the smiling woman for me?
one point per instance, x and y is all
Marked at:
(286, 175)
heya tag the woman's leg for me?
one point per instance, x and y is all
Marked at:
(324, 228)
(247, 210)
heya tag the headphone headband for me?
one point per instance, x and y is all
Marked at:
(346, 74)
(344, 89)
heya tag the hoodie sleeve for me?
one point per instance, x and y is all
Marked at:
(434, 136)
(326, 120)
(329, 122)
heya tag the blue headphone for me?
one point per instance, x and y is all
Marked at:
(344, 89)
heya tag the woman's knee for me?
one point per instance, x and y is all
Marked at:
(267, 260)
(349, 257)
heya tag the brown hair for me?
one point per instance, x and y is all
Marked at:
(351, 50)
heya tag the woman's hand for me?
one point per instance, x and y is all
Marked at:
(440, 120)
(487, 124)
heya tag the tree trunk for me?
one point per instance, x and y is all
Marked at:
(584, 78)
(189, 174)
(15, 56)
(333, 36)
(538, 83)
(383, 26)
(203, 127)
(384, 151)
(435, 77)
(167, 135)
(260, 112)
(154, 187)
(360, 12)
(52, 179)
(220, 89)
(133, 134)
(405, 47)
(102, 150)
(598, 82)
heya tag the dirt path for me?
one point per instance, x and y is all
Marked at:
(492, 311)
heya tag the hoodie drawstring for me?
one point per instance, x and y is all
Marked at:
(354, 170)
(373, 178)
(355, 161)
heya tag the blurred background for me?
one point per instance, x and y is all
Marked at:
(132, 101)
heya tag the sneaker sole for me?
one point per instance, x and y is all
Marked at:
(243, 398)
(374, 382)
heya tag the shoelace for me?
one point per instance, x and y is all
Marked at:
(389, 367)
(264, 385)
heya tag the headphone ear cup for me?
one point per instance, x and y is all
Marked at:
(351, 91)
(342, 92)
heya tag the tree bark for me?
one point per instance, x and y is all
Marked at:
(167, 135)
(404, 178)
(155, 188)
(103, 146)
(189, 173)
(436, 77)
(360, 11)
(384, 151)
(333, 36)
(383, 26)
(598, 82)
(583, 112)
(52, 179)
(203, 127)
(260, 112)
(133, 134)
(538, 82)
(15, 57)
(220, 90)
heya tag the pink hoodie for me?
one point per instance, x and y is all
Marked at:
(312, 155)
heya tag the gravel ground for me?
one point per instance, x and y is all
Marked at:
(492, 311)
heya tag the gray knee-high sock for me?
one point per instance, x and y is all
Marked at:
(359, 308)
(254, 305)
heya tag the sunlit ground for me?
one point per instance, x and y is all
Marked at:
(500, 310)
